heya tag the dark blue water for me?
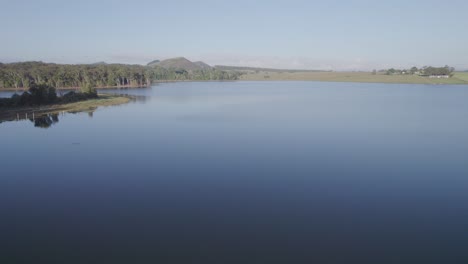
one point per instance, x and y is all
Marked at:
(243, 172)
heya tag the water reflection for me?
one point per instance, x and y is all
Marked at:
(295, 172)
(45, 121)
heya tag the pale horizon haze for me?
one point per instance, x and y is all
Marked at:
(322, 35)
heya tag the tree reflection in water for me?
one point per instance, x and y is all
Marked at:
(48, 120)
(45, 121)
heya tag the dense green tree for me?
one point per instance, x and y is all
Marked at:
(25, 74)
(439, 71)
(42, 94)
(391, 71)
(426, 70)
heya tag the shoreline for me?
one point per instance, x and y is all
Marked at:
(459, 78)
(13, 89)
(342, 77)
(22, 113)
(360, 81)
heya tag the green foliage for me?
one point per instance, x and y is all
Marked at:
(37, 95)
(72, 97)
(44, 95)
(89, 89)
(414, 70)
(391, 71)
(25, 74)
(425, 71)
(439, 71)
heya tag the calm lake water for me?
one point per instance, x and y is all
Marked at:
(243, 172)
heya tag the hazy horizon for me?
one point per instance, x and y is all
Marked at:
(357, 36)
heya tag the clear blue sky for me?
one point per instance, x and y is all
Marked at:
(340, 35)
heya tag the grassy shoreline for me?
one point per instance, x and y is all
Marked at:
(460, 78)
(15, 113)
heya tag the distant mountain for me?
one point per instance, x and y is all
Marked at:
(249, 69)
(99, 63)
(155, 62)
(203, 65)
(181, 63)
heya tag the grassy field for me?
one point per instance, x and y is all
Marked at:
(365, 77)
(10, 114)
(462, 76)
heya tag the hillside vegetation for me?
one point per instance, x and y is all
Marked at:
(202, 65)
(22, 75)
(182, 63)
(153, 63)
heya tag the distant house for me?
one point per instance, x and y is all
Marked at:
(439, 76)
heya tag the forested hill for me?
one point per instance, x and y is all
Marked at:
(202, 65)
(23, 74)
(181, 63)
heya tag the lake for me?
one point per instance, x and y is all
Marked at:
(242, 172)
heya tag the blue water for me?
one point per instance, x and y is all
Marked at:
(243, 172)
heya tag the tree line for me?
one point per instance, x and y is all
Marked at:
(42, 94)
(24, 74)
(424, 71)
